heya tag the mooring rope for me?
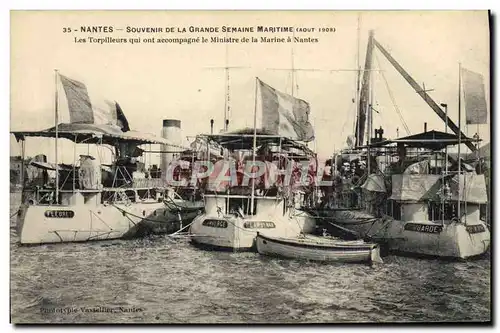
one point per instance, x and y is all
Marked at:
(134, 215)
(181, 229)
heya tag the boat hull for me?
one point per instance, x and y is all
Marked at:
(40, 224)
(170, 219)
(314, 250)
(450, 239)
(239, 234)
(347, 216)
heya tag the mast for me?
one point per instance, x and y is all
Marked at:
(56, 120)
(363, 96)
(459, 140)
(227, 98)
(23, 154)
(358, 74)
(74, 162)
(370, 122)
(293, 67)
(254, 146)
(226, 102)
(423, 94)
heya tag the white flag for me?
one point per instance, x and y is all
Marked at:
(84, 111)
(285, 115)
(476, 111)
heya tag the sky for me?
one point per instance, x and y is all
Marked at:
(153, 82)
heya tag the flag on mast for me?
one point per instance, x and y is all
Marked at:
(83, 110)
(476, 111)
(285, 115)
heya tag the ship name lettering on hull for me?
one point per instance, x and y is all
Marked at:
(431, 229)
(475, 228)
(61, 214)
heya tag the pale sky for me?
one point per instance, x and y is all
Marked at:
(153, 82)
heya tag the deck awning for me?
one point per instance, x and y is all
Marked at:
(434, 140)
(374, 183)
(473, 188)
(96, 134)
(408, 187)
(243, 139)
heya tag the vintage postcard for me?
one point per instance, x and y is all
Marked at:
(250, 167)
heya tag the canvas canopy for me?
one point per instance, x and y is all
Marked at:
(94, 134)
(243, 139)
(473, 188)
(415, 187)
(374, 183)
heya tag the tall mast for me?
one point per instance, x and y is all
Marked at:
(227, 99)
(370, 122)
(254, 145)
(293, 67)
(23, 156)
(358, 74)
(459, 140)
(226, 102)
(56, 120)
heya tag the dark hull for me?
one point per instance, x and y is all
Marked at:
(210, 247)
(171, 222)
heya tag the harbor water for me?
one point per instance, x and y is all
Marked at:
(159, 280)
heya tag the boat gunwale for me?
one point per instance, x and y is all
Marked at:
(333, 247)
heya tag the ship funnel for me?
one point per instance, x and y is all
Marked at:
(425, 127)
(171, 131)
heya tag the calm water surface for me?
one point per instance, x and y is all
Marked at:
(158, 280)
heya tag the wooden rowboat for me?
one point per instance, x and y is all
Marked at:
(314, 248)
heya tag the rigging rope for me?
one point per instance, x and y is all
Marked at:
(393, 99)
(143, 218)
(349, 112)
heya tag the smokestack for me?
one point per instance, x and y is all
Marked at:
(211, 126)
(227, 124)
(425, 127)
(171, 131)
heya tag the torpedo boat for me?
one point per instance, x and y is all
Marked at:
(410, 193)
(264, 180)
(88, 199)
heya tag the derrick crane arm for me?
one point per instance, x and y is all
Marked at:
(423, 94)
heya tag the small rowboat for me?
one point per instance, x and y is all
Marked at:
(314, 248)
